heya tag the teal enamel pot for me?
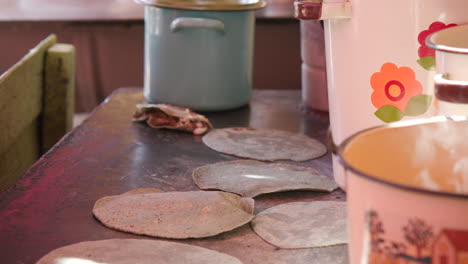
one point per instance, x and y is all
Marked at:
(199, 54)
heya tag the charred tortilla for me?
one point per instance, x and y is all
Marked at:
(172, 117)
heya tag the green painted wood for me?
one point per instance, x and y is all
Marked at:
(59, 91)
(23, 152)
(34, 117)
(21, 93)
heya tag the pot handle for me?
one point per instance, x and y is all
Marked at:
(197, 22)
(332, 147)
(450, 90)
(319, 10)
(335, 150)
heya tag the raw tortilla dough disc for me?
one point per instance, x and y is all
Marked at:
(250, 178)
(264, 144)
(303, 224)
(135, 251)
(174, 214)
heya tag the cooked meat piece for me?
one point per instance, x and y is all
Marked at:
(172, 117)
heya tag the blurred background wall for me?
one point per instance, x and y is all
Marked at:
(108, 36)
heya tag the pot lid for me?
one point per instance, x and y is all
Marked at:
(214, 5)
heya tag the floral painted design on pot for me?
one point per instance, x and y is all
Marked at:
(425, 53)
(421, 244)
(397, 93)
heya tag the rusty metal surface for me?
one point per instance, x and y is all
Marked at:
(108, 154)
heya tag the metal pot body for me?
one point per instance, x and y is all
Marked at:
(451, 82)
(407, 191)
(379, 69)
(198, 59)
(313, 69)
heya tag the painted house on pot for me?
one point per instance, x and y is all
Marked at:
(450, 247)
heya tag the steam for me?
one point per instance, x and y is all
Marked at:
(428, 182)
(452, 140)
(461, 168)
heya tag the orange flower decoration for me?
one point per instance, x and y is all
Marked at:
(394, 86)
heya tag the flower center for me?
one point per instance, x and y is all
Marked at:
(394, 90)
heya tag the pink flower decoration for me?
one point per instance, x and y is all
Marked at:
(425, 51)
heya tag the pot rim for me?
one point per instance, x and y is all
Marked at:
(226, 7)
(347, 166)
(430, 42)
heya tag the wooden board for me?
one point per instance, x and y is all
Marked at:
(21, 102)
(59, 90)
(21, 93)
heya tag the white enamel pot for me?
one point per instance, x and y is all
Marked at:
(379, 69)
(408, 192)
(451, 81)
